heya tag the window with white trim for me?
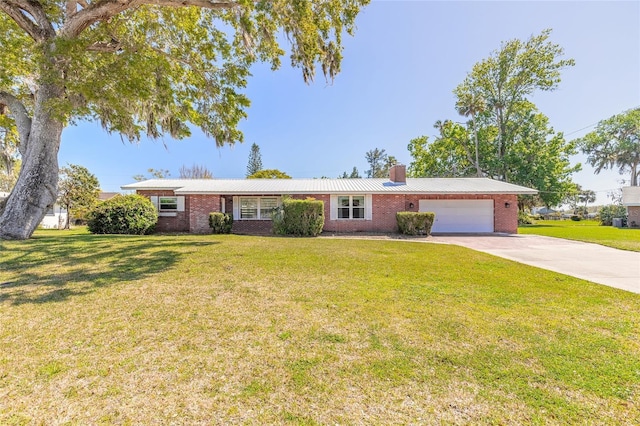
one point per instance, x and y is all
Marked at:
(168, 204)
(351, 207)
(257, 208)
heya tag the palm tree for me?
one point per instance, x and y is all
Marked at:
(471, 104)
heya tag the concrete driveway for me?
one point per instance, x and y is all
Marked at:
(592, 262)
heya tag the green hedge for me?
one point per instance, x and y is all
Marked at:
(413, 223)
(607, 213)
(304, 218)
(123, 214)
(220, 223)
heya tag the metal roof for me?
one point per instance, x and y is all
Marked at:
(331, 186)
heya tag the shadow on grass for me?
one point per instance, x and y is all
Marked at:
(55, 268)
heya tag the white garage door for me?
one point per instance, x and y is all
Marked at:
(460, 215)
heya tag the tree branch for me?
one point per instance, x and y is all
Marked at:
(23, 21)
(19, 113)
(105, 9)
(30, 16)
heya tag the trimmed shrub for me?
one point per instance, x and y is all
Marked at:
(607, 213)
(123, 214)
(303, 218)
(220, 223)
(415, 223)
(576, 218)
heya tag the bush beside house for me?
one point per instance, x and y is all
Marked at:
(608, 213)
(413, 223)
(123, 214)
(220, 223)
(303, 218)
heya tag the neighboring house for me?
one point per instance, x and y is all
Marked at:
(545, 212)
(351, 205)
(631, 200)
(103, 196)
(55, 217)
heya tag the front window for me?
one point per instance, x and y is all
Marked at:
(257, 208)
(168, 203)
(351, 207)
(248, 208)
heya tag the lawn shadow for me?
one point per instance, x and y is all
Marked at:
(53, 269)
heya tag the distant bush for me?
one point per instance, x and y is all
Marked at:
(123, 214)
(413, 223)
(576, 218)
(607, 213)
(303, 218)
(220, 223)
(524, 218)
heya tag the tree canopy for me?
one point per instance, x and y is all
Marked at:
(615, 143)
(78, 191)
(507, 138)
(255, 160)
(144, 67)
(269, 174)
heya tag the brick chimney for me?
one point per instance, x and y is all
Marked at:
(398, 173)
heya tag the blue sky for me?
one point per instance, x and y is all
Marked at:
(397, 79)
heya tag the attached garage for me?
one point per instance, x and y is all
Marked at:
(459, 216)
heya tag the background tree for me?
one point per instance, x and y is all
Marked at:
(471, 104)
(195, 172)
(9, 156)
(505, 81)
(153, 174)
(269, 174)
(379, 163)
(255, 160)
(355, 174)
(144, 67)
(78, 191)
(615, 143)
(514, 140)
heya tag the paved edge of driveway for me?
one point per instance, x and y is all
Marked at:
(588, 261)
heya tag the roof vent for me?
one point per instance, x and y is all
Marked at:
(398, 173)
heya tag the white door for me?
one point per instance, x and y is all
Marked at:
(457, 216)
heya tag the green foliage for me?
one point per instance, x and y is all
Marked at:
(9, 155)
(379, 163)
(78, 191)
(255, 160)
(153, 174)
(303, 218)
(123, 214)
(220, 223)
(269, 174)
(353, 175)
(524, 218)
(414, 223)
(615, 143)
(607, 213)
(515, 142)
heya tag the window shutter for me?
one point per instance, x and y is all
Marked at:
(333, 207)
(223, 205)
(236, 208)
(154, 201)
(368, 207)
(180, 202)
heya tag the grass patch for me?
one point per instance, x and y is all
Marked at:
(220, 329)
(588, 231)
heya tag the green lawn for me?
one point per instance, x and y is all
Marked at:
(586, 230)
(261, 330)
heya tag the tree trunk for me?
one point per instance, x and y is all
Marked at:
(36, 188)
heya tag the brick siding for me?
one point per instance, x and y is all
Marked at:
(195, 218)
(633, 218)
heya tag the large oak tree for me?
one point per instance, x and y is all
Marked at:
(143, 68)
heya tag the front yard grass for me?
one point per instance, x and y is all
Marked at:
(183, 329)
(588, 231)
